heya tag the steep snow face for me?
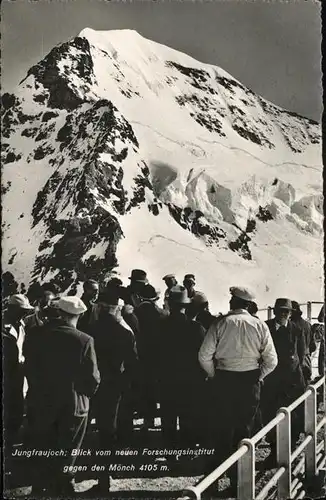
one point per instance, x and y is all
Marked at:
(119, 152)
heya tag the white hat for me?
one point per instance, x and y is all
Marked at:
(21, 301)
(178, 294)
(71, 305)
(199, 298)
(168, 276)
(242, 293)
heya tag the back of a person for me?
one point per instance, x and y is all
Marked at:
(111, 343)
(54, 368)
(205, 318)
(240, 338)
(285, 341)
(180, 342)
(149, 317)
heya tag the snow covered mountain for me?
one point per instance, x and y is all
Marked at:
(119, 152)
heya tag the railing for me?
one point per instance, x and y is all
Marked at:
(309, 305)
(313, 461)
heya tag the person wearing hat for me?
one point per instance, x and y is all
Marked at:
(309, 339)
(189, 282)
(237, 354)
(116, 351)
(13, 338)
(39, 316)
(286, 382)
(150, 317)
(170, 281)
(62, 376)
(112, 297)
(198, 310)
(180, 377)
(138, 279)
(89, 297)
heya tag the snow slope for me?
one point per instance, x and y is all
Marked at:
(119, 152)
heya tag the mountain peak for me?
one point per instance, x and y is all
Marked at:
(124, 152)
(92, 34)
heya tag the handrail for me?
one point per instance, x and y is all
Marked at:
(268, 427)
(312, 461)
(319, 382)
(272, 482)
(300, 448)
(298, 468)
(321, 424)
(218, 472)
(300, 400)
(296, 489)
(269, 309)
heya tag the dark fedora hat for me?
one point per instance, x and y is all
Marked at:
(296, 306)
(138, 275)
(282, 303)
(149, 293)
(114, 283)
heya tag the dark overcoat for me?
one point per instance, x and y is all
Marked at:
(284, 384)
(61, 370)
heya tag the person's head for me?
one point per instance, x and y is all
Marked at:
(18, 307)
(178, 299)
(296, 310)
(112, 292)
(199, 303)
(149, 294)
(253, 308)
(170, 281)
(70, 308)
(189, 281)
(138, 279)
(91, 290)
(241, 297)
(282, 310)
(51, 287)
(46, 298)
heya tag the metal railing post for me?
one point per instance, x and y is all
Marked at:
(310, 423)
(269, 312)
(309, 311)
(246, 472)
(283, 449)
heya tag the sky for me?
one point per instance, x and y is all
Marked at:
(273, 47)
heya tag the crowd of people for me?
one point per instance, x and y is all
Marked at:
(113, 354)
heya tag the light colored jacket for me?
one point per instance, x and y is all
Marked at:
(238, 342)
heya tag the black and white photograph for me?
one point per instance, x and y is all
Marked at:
(162, 250)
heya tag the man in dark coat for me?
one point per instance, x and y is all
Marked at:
(198, 310)
(89, 297)
(149, 319)
(131, 294)
(286, 382)
(38, 318)
(309, 339)
(180, 375)
(13, 338)
(170, 281)
(117, 358)
(189, 282)
(62, 374)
